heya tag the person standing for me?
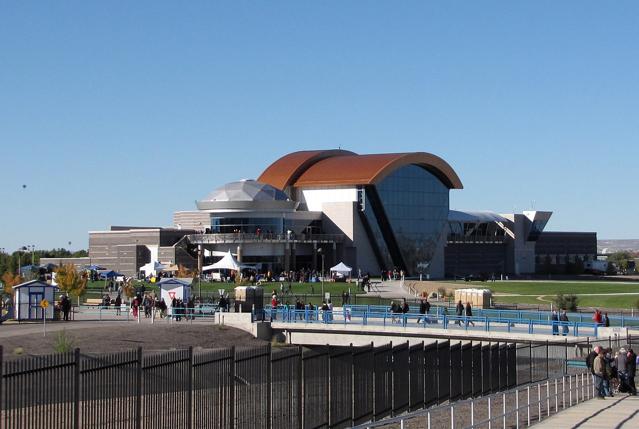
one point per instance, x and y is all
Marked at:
(621, 362)
(606, 320)
(631, 368)
(555, 325)
(598, 370)
(65, 303)
(564, 318)
(424, 307)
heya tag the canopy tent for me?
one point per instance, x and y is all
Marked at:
(93, 267)
(109, 274)
(152, 268)
(341, 268)
(29, 268)
(228, 262)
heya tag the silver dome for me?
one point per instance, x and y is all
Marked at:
(246, 190)
(247, 195)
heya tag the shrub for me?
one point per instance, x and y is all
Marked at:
(63, 342)
(567, 302)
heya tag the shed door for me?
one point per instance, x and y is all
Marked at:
(35, 311)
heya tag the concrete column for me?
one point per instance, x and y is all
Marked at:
(239, 253)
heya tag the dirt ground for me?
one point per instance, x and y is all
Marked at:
(117, 337)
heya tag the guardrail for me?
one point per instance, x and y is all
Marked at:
(351, 315)
(622, 320)
(563, 398)
(126, 310)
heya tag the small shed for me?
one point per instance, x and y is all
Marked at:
(477, 297)
(179, 288)
(27, 297)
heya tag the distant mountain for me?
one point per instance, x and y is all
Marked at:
(611, 246)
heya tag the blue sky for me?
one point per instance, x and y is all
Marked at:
(124, 112)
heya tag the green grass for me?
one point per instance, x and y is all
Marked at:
(554, 287)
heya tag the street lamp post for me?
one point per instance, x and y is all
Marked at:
(319, 250)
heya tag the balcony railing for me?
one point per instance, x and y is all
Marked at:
(241, 237)
(461, 238)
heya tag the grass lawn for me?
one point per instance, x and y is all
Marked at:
(549, 289)
(207, 288)
(554, 287)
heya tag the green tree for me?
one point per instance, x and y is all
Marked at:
(621, 260)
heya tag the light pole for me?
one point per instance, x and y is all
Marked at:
(319, 250)
(31, 247)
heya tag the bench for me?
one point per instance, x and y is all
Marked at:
(93, 301)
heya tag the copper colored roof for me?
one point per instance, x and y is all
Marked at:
(332, 169)
(287, 169)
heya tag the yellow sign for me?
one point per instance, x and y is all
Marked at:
(44, 303)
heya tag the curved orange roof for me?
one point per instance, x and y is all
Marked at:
(351, 169)
(287, 169)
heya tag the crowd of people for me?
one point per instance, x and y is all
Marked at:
(613, 372)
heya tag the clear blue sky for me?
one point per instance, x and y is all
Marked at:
(124, 112)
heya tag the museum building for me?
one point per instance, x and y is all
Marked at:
(375, 212)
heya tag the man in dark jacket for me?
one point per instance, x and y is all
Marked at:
(631, 368)
(459, 311)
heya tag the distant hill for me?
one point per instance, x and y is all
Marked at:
(611, 246)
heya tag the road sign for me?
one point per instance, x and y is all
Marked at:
(172, 295)
(44, 303)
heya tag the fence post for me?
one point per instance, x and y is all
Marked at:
(232, 392)
(566, 356)
(189, 398)
(76, 390)
(300, 376)
(138, 390)
(547, 360)
(530, 361)
(328, 386)
(1, 375)
(269, 384)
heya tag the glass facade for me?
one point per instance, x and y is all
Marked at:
(415, 204)
(272, 225)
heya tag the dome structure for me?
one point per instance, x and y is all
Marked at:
(246, 195)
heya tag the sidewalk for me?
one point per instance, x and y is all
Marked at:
(622, 411)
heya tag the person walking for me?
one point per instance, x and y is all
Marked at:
(459, 311)
(424, 307)
(606, 320)
(469, 314)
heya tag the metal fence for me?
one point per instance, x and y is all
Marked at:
(289, 386)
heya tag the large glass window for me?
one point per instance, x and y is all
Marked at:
(416, 206)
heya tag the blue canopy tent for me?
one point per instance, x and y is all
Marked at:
(93, 267)
(109, 274)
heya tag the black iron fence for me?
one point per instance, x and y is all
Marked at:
(264, 387)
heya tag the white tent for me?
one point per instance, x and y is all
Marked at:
(341, 268)
(228, 262)
(152, 268)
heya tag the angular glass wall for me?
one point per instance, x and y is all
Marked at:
(415, 208)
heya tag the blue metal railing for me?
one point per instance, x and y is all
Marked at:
(370, 315)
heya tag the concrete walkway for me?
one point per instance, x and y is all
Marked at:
(622, 411)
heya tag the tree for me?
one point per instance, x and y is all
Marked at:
(566, 302)
(184, 272)
(9, 280)
(621, 260)
(70, 281)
